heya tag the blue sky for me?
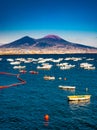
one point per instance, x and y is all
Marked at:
(73, 20)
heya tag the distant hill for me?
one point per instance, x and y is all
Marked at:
(49, 43)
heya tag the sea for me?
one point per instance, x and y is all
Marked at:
(23, 107)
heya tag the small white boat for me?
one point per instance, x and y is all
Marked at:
(73, 58)
(19, 67)
(69, 66)
(49, 77)
(0, 59)
(45, 67)
(15, 63)
(87, 66)
(67, 87)
(90, 59)
(57, 60)
(10, 60)
(78, 97)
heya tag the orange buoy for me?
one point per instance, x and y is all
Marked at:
(64, 78)
(46, 117)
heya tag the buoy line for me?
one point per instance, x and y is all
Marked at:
(15, 84)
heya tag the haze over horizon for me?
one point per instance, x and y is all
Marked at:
(73, 20)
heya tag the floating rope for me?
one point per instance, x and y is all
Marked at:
(15, 84)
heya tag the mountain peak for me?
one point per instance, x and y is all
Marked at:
(53, 37)
(26, 37)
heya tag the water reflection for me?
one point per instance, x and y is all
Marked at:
(46, 123)
(79, 103)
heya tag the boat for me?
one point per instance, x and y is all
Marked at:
(11, 60)
(67, 87)
(19, 67)
(49, 77)
(67, 66)
(33, 72)
(23, 71)
(78, 97)
(15, 63)
(45, 67)
(87, 66)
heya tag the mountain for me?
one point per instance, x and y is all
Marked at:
(56, 41)
(48, 44)
(22, 42)
(50, 41)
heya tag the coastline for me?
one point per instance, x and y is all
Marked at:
(19, 51)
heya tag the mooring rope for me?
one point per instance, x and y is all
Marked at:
(15, 84)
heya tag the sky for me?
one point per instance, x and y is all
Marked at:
(73, 20)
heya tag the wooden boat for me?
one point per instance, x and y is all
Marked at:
(67, 87)
(78, 97)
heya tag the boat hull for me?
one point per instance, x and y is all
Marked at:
(67, 87)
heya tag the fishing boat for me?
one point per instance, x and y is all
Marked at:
(78, 97)
(67, 87)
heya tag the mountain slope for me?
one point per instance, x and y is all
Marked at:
(22, 42)
(56, 41)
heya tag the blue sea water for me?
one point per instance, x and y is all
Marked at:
(23, 107)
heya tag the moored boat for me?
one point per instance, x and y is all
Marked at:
(23, 71)
(44, 67)
(78, 97)
(49, 77)
(67, 87)
(19, 67)
(33, 72)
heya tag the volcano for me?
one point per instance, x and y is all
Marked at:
(49, 43)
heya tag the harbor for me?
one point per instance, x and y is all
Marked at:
(52, 95)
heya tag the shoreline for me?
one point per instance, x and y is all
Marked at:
(50, 54)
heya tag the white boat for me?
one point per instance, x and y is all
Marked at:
(90, 59)
(69, 66)
(41, 60)
(19, 67)
(45, 67)
(15, 63)
(28, 61)
(90, 68)
(87, 66)
(0, 59)
(62, 64)
(67, 87)
(57, 60)
(49, 77)
(73, 58)
(10, 60)
(20, 59)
